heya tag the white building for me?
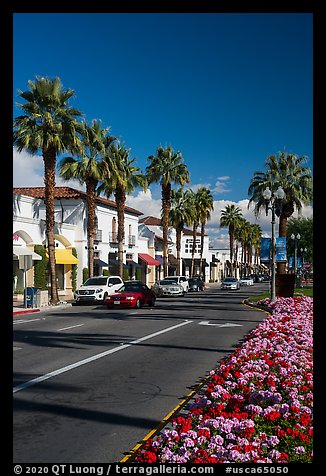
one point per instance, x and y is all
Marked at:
(219, 264)
(70, 232)
(151, 227)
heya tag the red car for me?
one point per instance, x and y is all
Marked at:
(131, 295)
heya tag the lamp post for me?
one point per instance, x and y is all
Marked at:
(270, 202)
(296, 238)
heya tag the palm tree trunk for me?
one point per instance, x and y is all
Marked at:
(202, 237)
(178, 239)
(231, 234)
(120, 198)
(194, 233)
(49, 158)
(90, 199)
(166, 203)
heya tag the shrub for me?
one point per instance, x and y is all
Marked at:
(40, 268)
(85, 274)
(74, 271)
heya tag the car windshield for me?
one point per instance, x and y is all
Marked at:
(131, 287)
(229, 280)
(97, 281)
(168, 281)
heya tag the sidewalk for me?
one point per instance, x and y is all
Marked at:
(19, 308)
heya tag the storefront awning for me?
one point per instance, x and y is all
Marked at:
(187, 262)
(100, 262)
(130, 262)
(159, 258)
(114, 263)
(24, 251)
(64, 256)
(148, 259)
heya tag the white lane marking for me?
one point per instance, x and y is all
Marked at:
(227, 324)
(21, 321)
(41, 378)
(70, 327)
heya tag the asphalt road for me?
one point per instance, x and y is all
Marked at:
(89, 383)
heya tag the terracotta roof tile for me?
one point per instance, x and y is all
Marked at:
(151, 221)
(67, 192)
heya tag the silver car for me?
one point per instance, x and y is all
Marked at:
(230, 283)
(168, 287)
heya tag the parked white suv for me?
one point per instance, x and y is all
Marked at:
(183, 280)
(98, 288)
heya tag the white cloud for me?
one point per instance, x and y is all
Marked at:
(145, 203)
(27, 170)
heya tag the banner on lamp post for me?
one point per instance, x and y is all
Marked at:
(265, 250)
(280, 249)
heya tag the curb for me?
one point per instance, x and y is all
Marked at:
(25, 311)
(43, 309)
(258, 306)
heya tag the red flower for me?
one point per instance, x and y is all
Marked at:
(149, 457)
(204, 432)
(305, 419)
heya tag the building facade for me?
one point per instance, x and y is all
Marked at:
(71, 234)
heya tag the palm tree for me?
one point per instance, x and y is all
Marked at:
(239, 236)
(256, 240)
(124, 178)
(166, 167)
(89, 169)
(288, 171)
(205, 206)
(48, 125)
(180, 214)
(229, 217)
(195, 224)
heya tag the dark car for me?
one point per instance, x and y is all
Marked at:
(132, 294)
(196, 284)
(258, 278)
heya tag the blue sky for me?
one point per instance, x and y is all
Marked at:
(225, 89)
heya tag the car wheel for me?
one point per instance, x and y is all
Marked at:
(105, 297)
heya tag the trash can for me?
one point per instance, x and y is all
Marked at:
(30, 296)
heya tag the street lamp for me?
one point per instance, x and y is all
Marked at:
(271, 199)
(296, 238)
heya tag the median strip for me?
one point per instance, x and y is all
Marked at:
(49, 375)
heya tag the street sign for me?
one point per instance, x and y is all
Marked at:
(280, 246)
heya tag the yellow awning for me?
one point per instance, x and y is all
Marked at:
(63, 256)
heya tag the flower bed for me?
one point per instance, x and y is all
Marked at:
(257, 405)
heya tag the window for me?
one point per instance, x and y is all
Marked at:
(115, 281)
